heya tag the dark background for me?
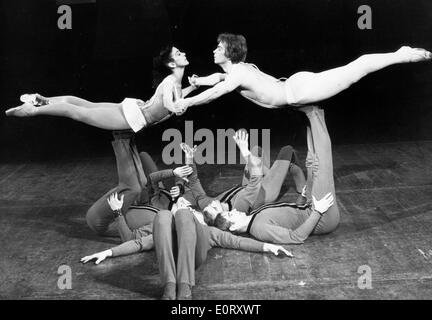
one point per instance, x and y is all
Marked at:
(108, 54)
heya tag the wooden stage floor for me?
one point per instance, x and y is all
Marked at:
(384, 193)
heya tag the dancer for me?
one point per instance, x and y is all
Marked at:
(283, 224)
(139, 200)
(260, 189)
(299, 89)
(130, 114)
(182, 243)
(138, 182)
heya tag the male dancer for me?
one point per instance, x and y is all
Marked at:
(299, 89)
(260, 189)
(140, 200)
(283, 224)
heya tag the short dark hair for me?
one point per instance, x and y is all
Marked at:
(160, 65)
(236, 47)
(207, 218)
(222, 223)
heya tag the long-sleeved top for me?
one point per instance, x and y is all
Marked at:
(241, 198)
(224, 239)
(141, 239)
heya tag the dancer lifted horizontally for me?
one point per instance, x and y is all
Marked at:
(299, 89)
(131, 113)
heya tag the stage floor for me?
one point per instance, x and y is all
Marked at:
(384, 192)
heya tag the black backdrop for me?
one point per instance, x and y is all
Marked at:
(107, 56)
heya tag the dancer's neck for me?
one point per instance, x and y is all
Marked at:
(177, 74)
(226, 66)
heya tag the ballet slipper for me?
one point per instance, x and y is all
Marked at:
(409, 54)
(25, 110)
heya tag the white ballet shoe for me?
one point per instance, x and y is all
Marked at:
(409, 54)
(34, 98)
(25, 110)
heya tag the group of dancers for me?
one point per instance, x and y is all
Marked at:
(183, 223)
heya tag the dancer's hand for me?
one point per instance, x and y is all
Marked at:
(183, 172)
(193, 81)
(114, 202)
(175, 192)
(180, 106)
(322, 205)
(189, 152)
(273, 248)
(241, 138)
(100, 256)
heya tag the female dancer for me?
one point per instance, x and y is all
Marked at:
(131, 113)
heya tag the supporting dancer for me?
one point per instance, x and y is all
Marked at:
(139, 200)
(182, 243)
(299, 89)
(260, 189)
(132, 114)
(138, 181)
(283, 224)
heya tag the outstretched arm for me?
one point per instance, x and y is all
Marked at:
(126, 248)
(231, 82)
(210, 80)
(227, 240)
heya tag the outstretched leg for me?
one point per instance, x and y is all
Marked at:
(320, 164)
(79, 102)
(308, 87)
(107, 116)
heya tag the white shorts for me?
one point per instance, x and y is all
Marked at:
(133, 114)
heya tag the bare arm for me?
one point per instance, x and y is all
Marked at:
(186, 91)
(210, 80)
(231, 82)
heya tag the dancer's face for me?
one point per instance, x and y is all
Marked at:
(235, 217)
(219, 54)
(179, 58)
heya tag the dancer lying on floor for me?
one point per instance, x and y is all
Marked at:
(130, 114)
(300, 89)
(260, 188)
(143, 195)
(281, 223)
(194, 239)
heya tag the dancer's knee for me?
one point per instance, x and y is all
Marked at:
(95, 222)
(329, 222)
(285, 153)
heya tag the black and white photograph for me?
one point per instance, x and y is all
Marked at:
(234, 151)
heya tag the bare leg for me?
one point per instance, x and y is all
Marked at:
(109, 116)
(309, 87)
